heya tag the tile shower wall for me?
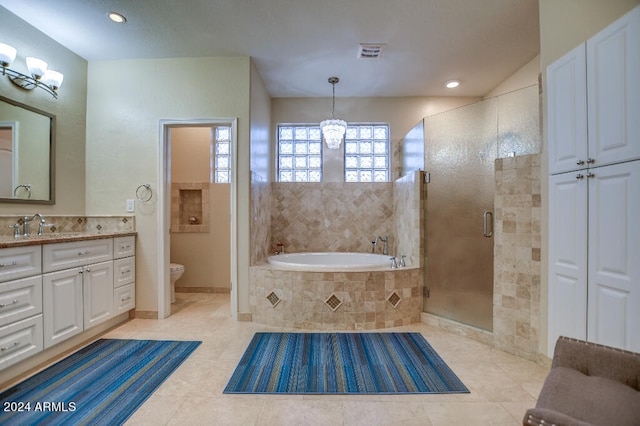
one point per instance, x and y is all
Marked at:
(408, 199)
(260, 218)
(516, 316)
(308, 217)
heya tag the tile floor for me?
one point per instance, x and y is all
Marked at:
(502, 386)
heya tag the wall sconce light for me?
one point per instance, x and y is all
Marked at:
(48, 80)
(333, 129)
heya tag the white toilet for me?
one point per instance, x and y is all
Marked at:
(176, 272)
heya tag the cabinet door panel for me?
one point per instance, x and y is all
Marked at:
(613, 67)
(98, 293)
(567, 112)
(62, 305)
(567, 257)
(614, 256)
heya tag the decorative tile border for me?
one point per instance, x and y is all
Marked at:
(72, 224)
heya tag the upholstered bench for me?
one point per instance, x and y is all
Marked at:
(589, 384)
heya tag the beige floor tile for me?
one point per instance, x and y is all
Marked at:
(156, 411)
(471, 413)
(287, 412)
(502, 386)
(398, 413)
(517, 409)
(208, 411)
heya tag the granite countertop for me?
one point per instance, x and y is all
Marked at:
(61, 237)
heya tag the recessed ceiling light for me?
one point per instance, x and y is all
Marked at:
(117, 17)
(452, 84)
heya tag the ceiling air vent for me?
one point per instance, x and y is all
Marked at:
(370, 50)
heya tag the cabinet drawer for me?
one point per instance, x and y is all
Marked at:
(124, 271)
(20, 340)
(124, 247)
(20, 262)
(20, 299)
(124, 298)
(69, 255)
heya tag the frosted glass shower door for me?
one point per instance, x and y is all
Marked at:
(461, 147)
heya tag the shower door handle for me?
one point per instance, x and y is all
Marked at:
(487, 226)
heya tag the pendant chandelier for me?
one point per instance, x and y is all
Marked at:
(333, 129)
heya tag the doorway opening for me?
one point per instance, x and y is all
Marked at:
(197, 220)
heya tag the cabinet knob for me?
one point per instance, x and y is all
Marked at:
(590, 160)
(579, 176)
(591, 175)
(580, 163)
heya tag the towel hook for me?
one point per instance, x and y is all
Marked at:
(149, 195)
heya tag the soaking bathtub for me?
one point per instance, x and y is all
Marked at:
(330, 261)
(334, 291)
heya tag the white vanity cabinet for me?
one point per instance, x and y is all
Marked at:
(78, 287)
(20, 304)
(51, 290)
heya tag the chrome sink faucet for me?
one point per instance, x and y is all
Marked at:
(27, 219)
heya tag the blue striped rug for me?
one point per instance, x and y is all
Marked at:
(342, 363)
(101, 384)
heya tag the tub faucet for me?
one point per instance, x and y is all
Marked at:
(394, 265)
(385, 248)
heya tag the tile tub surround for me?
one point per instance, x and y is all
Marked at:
(71, 224)
(325, 217)
(367, 298)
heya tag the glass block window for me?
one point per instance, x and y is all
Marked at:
(366, 153)
(299, 153)
(222, 155)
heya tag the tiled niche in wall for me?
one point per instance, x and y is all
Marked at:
(190, 207)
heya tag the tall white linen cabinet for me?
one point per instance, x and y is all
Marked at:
(594, 188)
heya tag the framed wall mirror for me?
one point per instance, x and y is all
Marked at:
(27, 147)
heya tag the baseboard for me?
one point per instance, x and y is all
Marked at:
(146, 314)
(218, 290)
(469, 331)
